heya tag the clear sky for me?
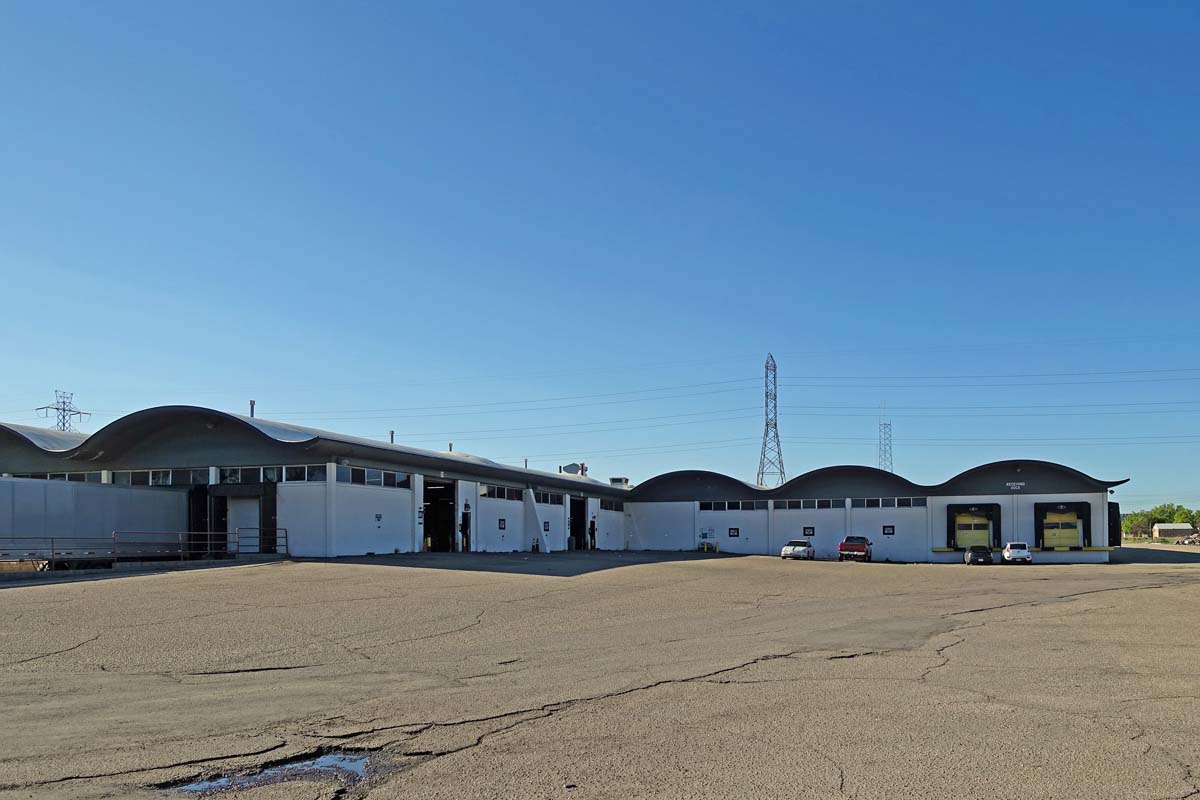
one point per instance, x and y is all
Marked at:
(547, 231)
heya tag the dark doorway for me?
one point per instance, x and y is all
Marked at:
(439, 516)
(579, 523)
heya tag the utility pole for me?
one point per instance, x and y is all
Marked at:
(884, 457)
(770, 462)
(65, 410)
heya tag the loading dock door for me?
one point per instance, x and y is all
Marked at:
(972, 529)
(1061, 530)
(243, 513)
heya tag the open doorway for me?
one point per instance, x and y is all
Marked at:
(439, 516)
(578, 523)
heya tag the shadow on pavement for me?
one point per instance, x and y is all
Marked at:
(1152, 554)
(561, 564)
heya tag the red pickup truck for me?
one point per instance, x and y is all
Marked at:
(858, 547)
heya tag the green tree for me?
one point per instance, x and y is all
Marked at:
(1137, 523)
(1183, 515)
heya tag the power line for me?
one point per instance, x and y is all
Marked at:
(65, 411)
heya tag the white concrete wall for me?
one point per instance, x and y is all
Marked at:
(554, 515)
(300, 507)
(662, 526)
(610, 530)
(60, 508)
(489, 536)
(371, 519)
(829, 528)
(751, 525)
(909, 543)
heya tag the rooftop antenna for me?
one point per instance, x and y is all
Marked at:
(770, 463)
(884, 460)
(65, 410)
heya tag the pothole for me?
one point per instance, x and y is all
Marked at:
(347, 767)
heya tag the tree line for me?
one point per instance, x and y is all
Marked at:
(1141, 523)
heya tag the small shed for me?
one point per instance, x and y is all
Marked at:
(1172, 529)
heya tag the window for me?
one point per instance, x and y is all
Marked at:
(316, 473)
(556, 499)
(58, 476)
(93, 477)
(341, 473)
(760, 505)
(160, 477)
(76, 477)
(118, 478)
(888, 502)
(904, 502)
(706, 505)
(858, 502)
(515, 494)
(612, 505)
(271, 474)
(230, 475)
(918, 502)
(251, 474)
(824, 504)
(293, 473)
(374, 477)
(872, 502)
(718, 505)
(140, 478)
(189, 477)
(389, 479)
(358, 475)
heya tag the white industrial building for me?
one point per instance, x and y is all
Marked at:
(322, 494)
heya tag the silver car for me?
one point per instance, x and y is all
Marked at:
(798, 548)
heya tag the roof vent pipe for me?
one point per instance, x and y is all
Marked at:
(392, 437)
(452, 447)
(251, 408)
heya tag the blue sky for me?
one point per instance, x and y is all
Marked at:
(556, 232)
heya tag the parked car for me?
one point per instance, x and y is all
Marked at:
(798, 548)
(855, 547)
(1017, 553)
(978, 554)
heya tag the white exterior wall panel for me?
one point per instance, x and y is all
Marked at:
(662, 526)
(300, 507)
(828, 524)
(59, 508)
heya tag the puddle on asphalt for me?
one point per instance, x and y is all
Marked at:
(349, 767)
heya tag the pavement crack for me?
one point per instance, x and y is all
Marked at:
(186, 763)
(52, 653)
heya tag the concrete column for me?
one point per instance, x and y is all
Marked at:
(330, 507)
(106, 476)
(418, 512)
(214, 476)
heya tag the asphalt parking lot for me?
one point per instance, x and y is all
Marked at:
(609, 675)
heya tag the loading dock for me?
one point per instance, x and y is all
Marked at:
(439, 515)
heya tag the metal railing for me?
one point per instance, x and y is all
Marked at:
(262, 540)
(84, 552)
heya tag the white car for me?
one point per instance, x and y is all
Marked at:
(1017, 553)
(798, 548)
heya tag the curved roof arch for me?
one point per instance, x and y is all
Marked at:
(847, 480)
(1031, 475)
(48, 440)
(694, 484)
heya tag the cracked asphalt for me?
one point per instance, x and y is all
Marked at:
(609, 675)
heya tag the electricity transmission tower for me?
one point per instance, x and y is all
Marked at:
(770, 463)
(65, 409)
(885, 441)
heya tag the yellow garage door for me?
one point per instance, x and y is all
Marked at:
(970, 529)
(1062, 530)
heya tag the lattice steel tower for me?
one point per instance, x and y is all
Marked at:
(885, 441)
(770, 463)
(65, 409)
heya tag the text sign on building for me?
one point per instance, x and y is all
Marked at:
(735, 532)
(1015, 486)
(889, 530)
(546, 526)
(503, 523)
(810, 531)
